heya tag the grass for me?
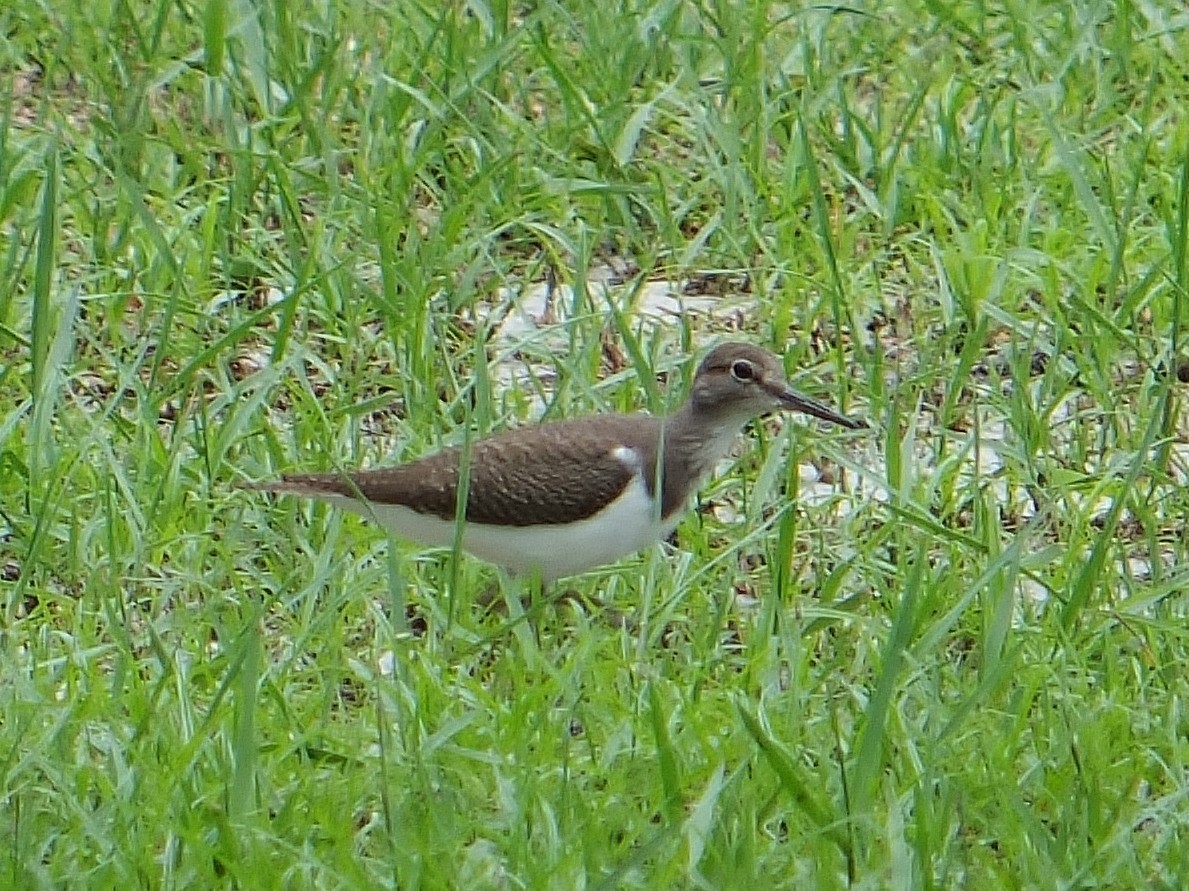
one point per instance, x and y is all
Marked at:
(241, 238)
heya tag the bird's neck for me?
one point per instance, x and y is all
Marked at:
(694, 439)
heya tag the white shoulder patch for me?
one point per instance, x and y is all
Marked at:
(628, 457)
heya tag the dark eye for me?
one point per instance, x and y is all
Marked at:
(742, 370)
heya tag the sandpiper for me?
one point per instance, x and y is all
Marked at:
(562, 497)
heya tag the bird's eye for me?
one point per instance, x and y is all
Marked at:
(742, 370)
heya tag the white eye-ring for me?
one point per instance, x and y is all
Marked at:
(742, 370)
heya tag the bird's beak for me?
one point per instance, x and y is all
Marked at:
(794, 401)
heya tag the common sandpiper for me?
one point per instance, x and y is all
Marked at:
(562, 497)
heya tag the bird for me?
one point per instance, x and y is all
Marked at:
(562, 497)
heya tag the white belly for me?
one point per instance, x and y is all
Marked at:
(628, 524)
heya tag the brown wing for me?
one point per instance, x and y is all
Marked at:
(553, 473)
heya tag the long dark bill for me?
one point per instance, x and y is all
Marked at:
(802, 403)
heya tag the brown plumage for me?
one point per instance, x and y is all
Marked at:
(550, 473)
